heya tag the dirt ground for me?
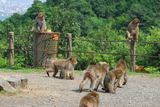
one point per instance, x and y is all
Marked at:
(43, 91)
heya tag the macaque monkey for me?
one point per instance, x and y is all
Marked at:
(122, 66)
(112, 80)
(140, 69)
(55, 65)
(96, 74)
(40, 23)
(133, 30)
(90, 100)
(67, 68)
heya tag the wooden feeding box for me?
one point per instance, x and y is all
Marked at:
(45, 46)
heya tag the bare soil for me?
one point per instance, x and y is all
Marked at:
(43, 91)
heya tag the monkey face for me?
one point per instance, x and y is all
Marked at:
(41, 14)
(74, 59)
(136, 21)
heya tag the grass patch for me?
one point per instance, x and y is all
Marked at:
(32, 70)
(151, 75)
(78, 72)
(130, 73)
(22, 70)
(3, 92)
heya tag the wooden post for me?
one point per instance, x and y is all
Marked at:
(35, 39)
(132, 55)
(69, 44)
(11, 48)
(27, 51)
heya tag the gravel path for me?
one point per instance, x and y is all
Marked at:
(43, 91)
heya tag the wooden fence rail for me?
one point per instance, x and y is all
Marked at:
(69, 48)
(132, 49)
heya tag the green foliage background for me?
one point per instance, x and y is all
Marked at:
(91, 19)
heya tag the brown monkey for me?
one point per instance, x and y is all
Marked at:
(90, 100)
(112, 80)
(133, 30)
(140, 69)
(40, 23)
(94, 73)
(55, 65)
(67, 68)
(123, 66)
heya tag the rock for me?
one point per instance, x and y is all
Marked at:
(19, 81)
(15, 81)
(6, 86)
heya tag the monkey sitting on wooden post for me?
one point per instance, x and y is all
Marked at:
(40, 23)
(132, 31)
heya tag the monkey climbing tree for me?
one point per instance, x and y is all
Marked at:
(45, 46)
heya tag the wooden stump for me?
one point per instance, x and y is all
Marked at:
(24, 82)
